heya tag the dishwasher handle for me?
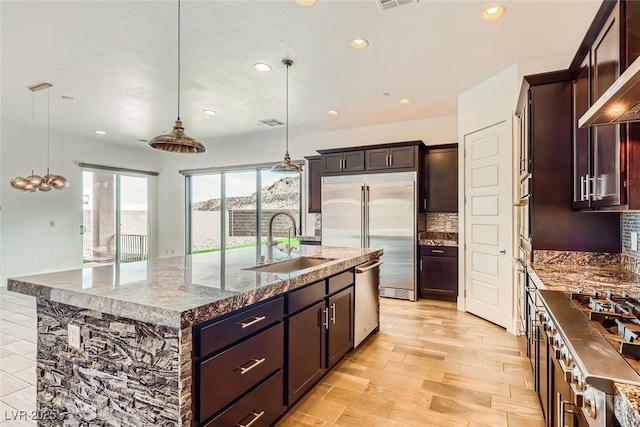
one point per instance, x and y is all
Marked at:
(367, 267)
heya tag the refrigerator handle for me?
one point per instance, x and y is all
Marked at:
(362, 216)
(368, 237)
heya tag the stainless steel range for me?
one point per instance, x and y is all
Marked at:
(584, 336)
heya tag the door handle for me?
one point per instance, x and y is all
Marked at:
(83, 229)
(333, 313)
(503, 251)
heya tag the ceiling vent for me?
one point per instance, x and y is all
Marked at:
(271, 122)
(390, 4)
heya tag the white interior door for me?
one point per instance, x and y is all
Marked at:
(488, 223)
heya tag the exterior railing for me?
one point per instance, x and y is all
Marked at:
(133, 247)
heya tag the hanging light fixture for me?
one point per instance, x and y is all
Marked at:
(35, 182)
(286, 166)
(177, 141)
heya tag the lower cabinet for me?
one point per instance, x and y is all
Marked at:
(439, 272)
(250, 379)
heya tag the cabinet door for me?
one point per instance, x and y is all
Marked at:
(377, 158)
(581, 138)
(402, 157)
(340, 325)
(442, 180)
(605, 56)
(306, 350)
(439, 277)
(314, 177)
(353, 161)
(332, 163)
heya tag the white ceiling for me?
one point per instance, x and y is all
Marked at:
(119, 59)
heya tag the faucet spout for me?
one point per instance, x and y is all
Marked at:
(270, 242)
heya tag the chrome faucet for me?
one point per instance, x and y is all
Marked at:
(271, 243)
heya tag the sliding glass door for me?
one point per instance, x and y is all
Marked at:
(115, 217)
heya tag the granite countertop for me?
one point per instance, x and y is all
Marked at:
(627, 404)
(570, 278)
(438, 238)
(437, 242)
(185, 290)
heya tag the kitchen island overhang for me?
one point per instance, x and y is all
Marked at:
(134, 365)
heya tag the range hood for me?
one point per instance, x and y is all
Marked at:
(620, 103)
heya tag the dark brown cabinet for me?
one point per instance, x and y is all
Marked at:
(438, 272)
(307, 338)
(604, 157)
(390, 158)
(340, 338)
(343, 162)
(440, 179)
(314, 184)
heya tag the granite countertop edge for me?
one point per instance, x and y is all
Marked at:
(437, 242)
(191, 316)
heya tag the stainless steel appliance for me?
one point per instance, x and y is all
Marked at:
(580, 385)
(367, 307)
(375, 211)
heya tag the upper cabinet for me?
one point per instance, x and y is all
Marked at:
(603, 157)
(314, 184)
(440, 179)
(400, 156)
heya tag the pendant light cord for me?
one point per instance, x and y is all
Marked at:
(286, 139)
(48, 127)
(178, 59)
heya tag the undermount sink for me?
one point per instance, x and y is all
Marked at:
(291, 265)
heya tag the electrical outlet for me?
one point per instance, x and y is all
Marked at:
(73, 333)
(634, 241)
(52, 223)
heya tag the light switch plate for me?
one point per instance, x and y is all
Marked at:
(73, 333)
(634, 241)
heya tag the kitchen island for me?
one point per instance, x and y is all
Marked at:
(148, 330)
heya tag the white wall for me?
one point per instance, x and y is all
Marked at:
(486, 104)
(268, 146)
(29, 243)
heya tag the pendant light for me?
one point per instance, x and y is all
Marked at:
(35, 182)
(177, 141)
(286, 166)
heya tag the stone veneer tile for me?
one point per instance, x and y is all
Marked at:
(126, 372)
(627, 404)
(446, 222)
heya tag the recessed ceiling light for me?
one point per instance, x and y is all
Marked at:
(209, 112)
(262, 66)
(101, 132)
(359, 43)
(307, 2)
(493, 12)
(68, 98)
(616, 109)
(332, 112)
(404, 101)
(385, 93)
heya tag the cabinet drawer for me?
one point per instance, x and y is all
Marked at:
(439, 250)
(306, 296)
(340, 281)
(231, 373)
(259, 408)
(234, 328)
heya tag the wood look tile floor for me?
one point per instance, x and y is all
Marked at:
(430, 365)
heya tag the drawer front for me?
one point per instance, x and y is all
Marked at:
(306, 296)
(260, 408)
(234, 328)
(439, 250)
(231, 373)
(340, 281)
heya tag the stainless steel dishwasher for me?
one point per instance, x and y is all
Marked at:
(367, 309)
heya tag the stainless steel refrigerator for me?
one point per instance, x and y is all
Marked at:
(375, 211)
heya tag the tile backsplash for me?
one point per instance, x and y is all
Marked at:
(630, 258)
(443, 222)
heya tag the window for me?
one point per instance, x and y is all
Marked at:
(229, 210)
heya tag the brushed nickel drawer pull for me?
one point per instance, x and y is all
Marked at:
(255, 320)
(437, 251)
(255, 418)
(325, 313)
(255, 363)
(333, 313)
